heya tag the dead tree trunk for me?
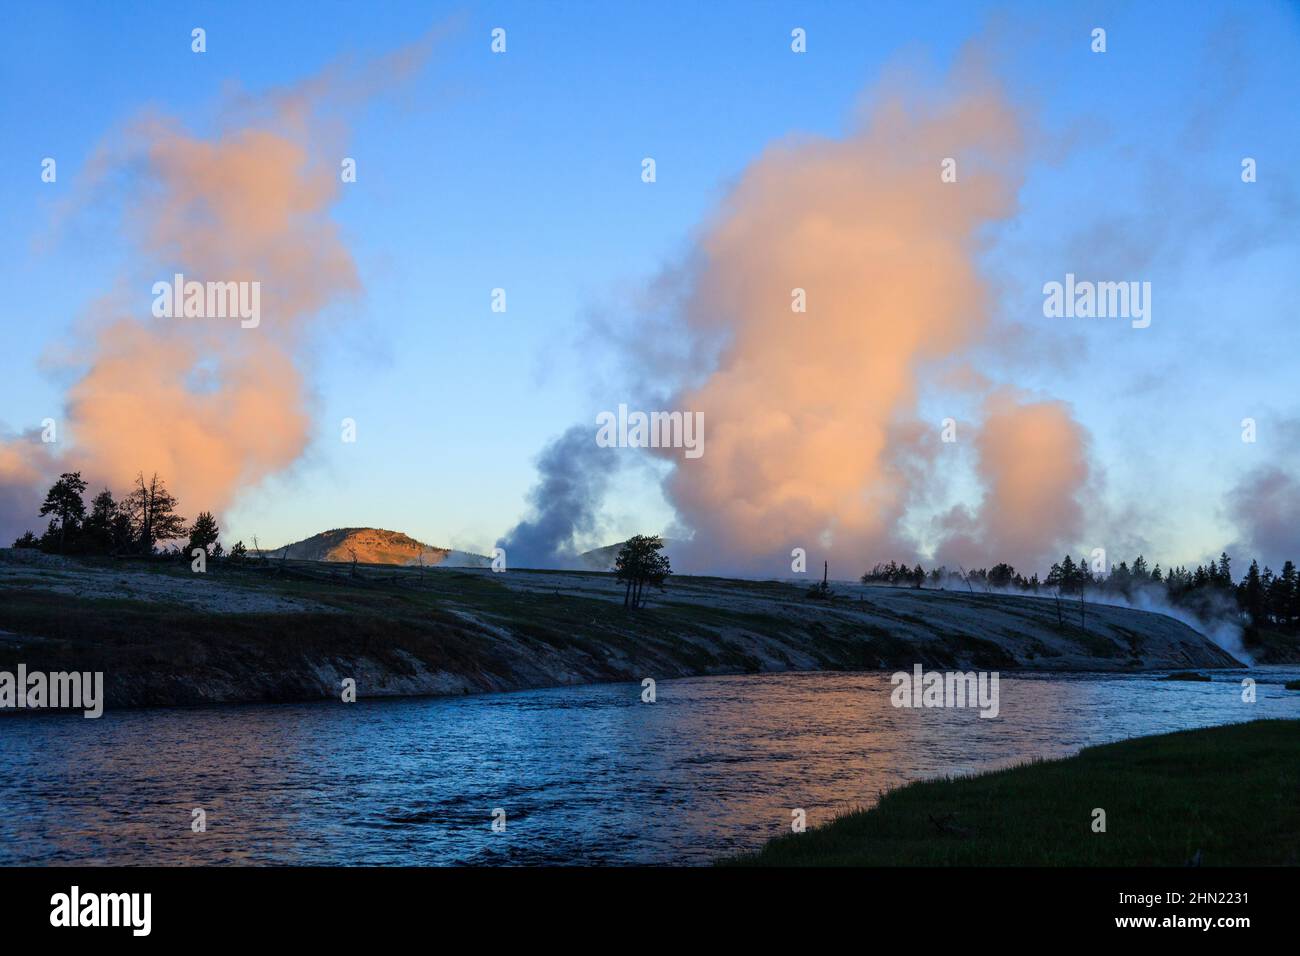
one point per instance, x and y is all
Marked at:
(966, 577)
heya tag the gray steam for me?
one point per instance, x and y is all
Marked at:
(574, 473)
(1218, 619)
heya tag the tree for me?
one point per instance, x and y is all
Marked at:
(153, 513)
(1001, 575)
(63, 500)
(238, 552)
(1291, 581)
(204, 534)
(1279, 596)
(1064, 575)
(1250, 594)
(1223, 574)
(28, 540)
(102, 530)
(1120, 579)
(639, 563)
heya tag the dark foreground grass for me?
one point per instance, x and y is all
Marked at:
(1221, 796)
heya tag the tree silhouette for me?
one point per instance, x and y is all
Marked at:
(1289, 606)
(153, 513)
(63, 500)
(107, 529)
(639, 563)
(1001, 575)
(204, 534)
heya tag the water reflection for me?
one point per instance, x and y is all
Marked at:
(586, 775)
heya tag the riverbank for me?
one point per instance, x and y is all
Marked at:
(1220, 796)
(295, 630)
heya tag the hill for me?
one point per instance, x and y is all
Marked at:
(375, 546)
(602, 559)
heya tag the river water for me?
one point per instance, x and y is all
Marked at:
(583, 774)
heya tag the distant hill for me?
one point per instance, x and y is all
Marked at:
(375, 546)
(602, 559)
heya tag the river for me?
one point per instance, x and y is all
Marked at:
(583, 774)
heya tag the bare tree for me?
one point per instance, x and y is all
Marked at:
(153, 512)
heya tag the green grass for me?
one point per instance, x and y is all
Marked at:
(383, 614)
(113, 634)
(1231, 794)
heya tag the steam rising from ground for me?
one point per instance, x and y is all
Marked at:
(1032, 459)
(211, 406)
(574, 473)
(1217, 619)
(812, 436)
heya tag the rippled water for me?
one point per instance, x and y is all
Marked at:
(585, 774)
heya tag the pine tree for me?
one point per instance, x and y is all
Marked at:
(1224, 576)
(204, 534)
(63, 500)
(1251, 593)
(100, 525)
(1291, 605)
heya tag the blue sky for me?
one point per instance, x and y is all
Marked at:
(522, 171)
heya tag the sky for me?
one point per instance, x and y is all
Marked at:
(522, 171)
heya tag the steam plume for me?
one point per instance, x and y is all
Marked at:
(805, 412)
(211, 406)
(574, 473)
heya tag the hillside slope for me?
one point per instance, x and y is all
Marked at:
(602, 559)
(375, 546)
(293, 630)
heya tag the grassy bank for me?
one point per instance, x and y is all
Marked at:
(294, 630)
(1223, 795)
